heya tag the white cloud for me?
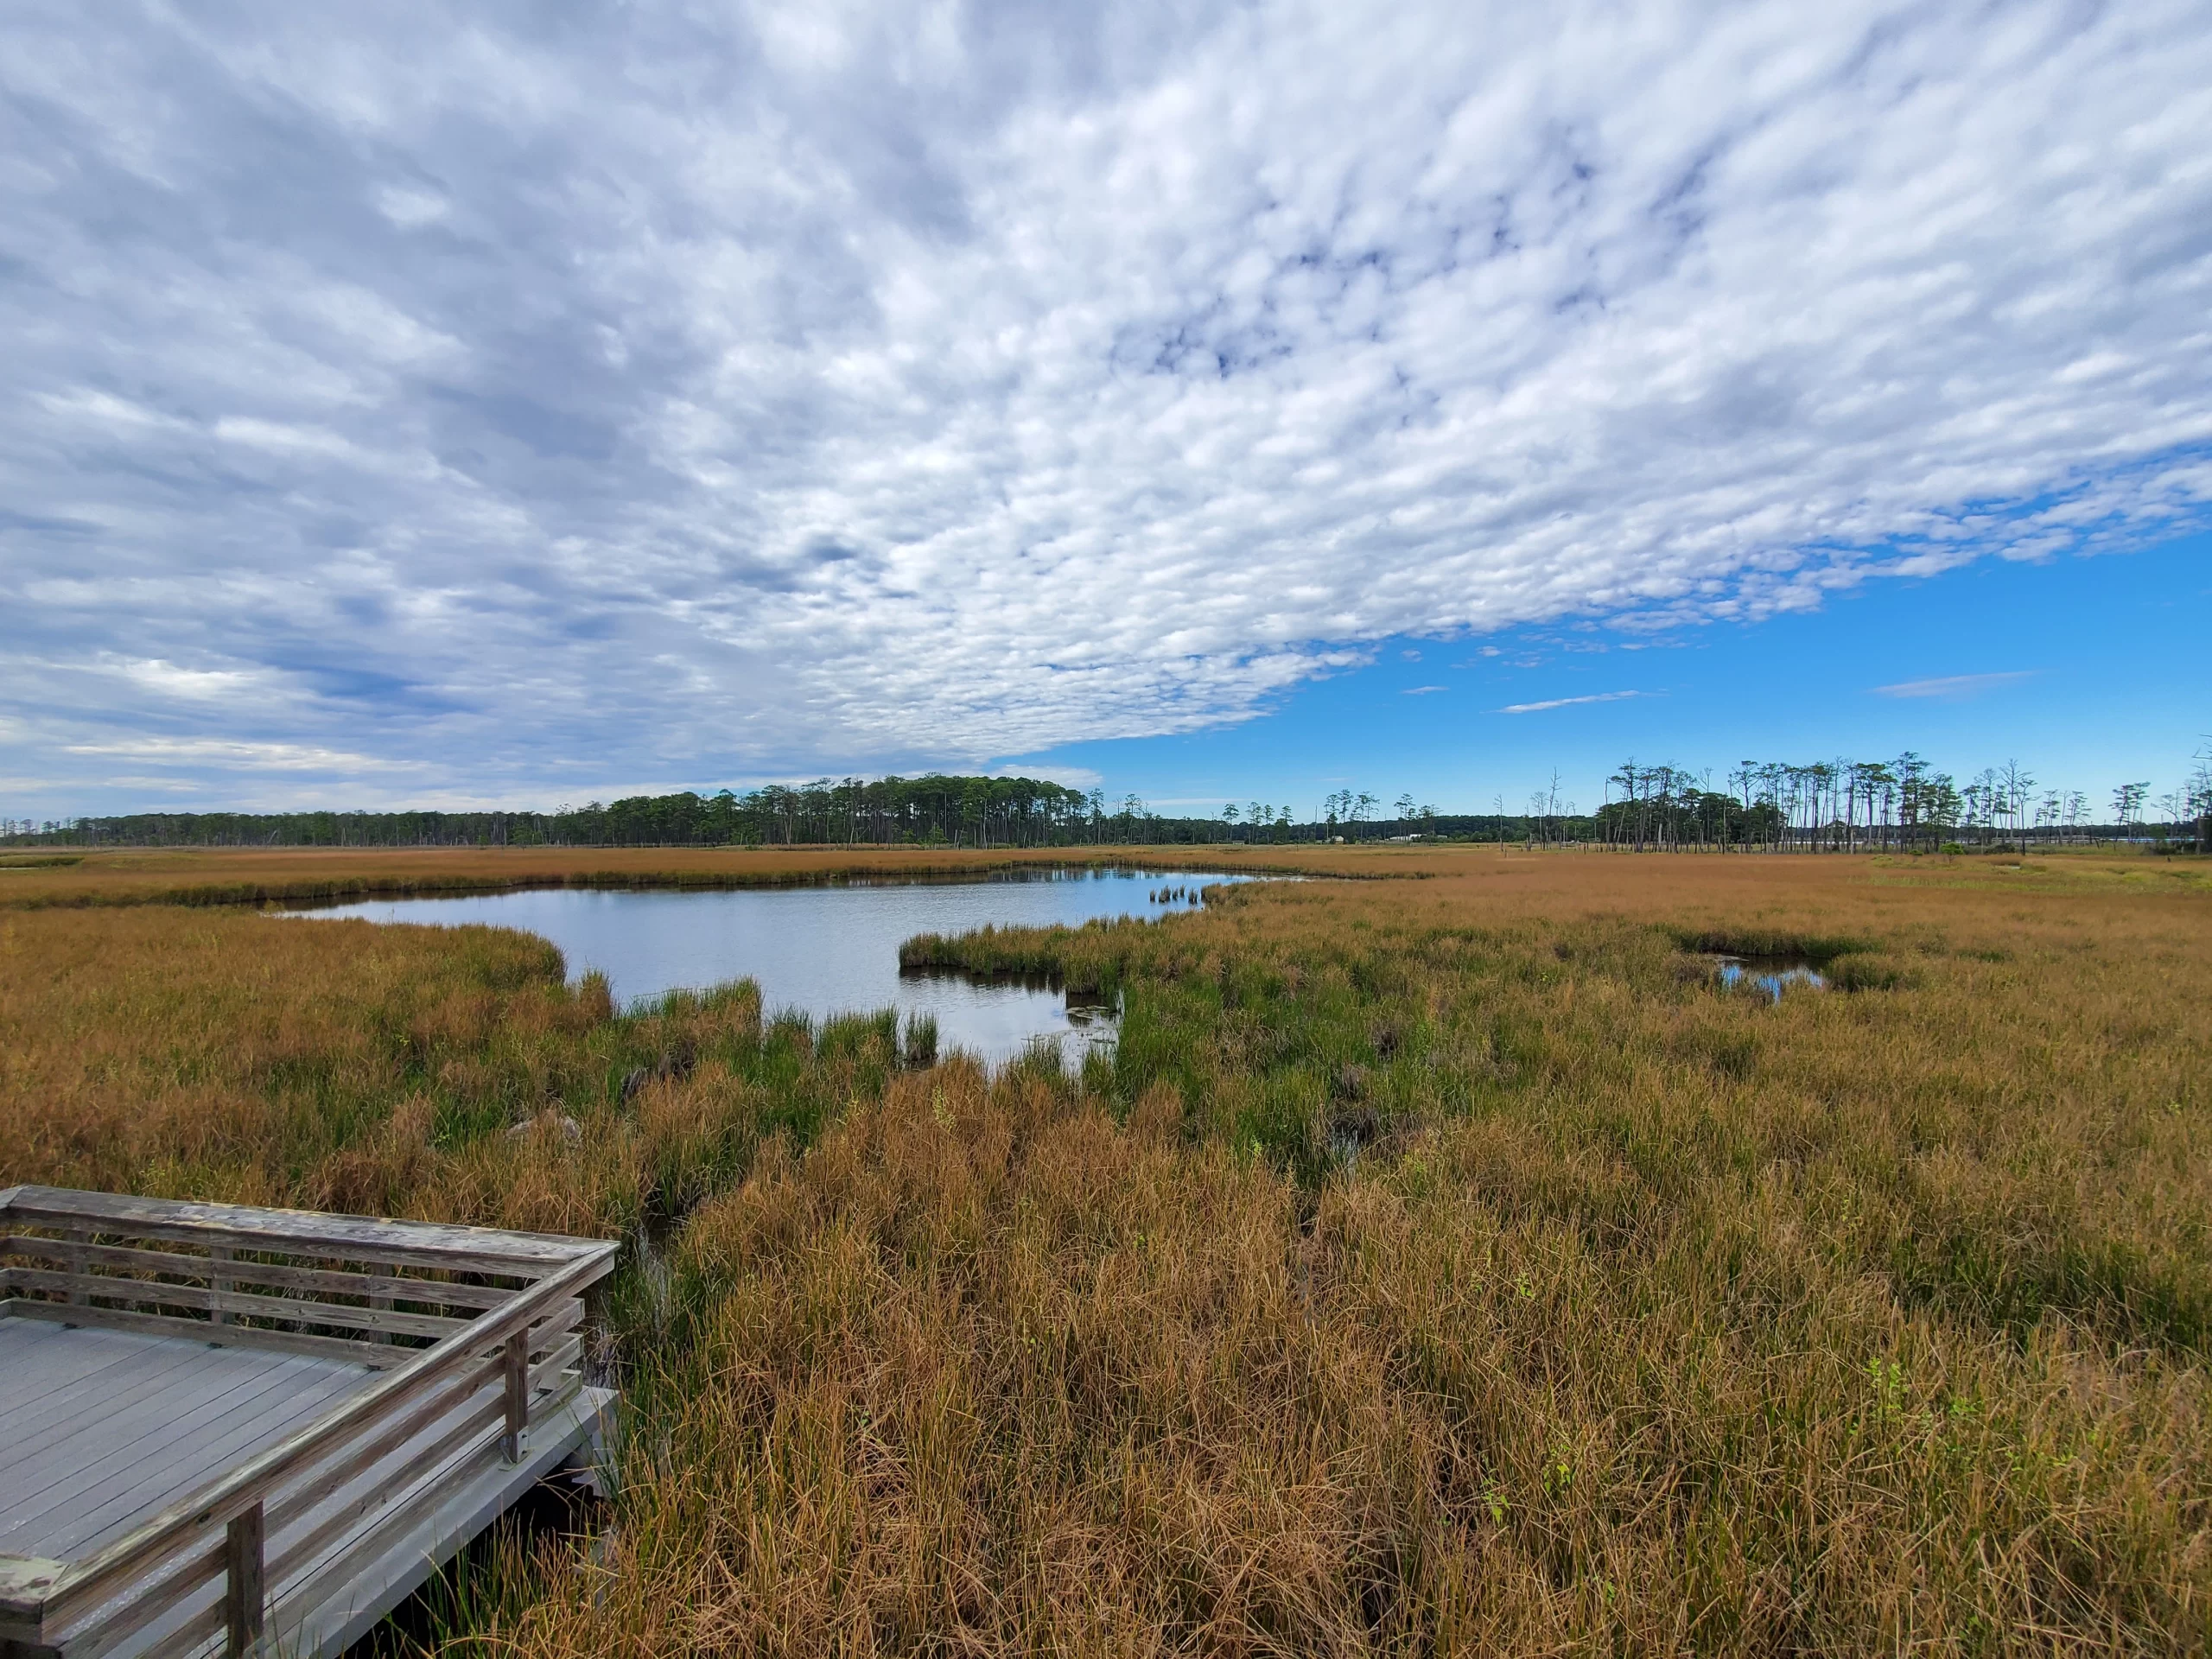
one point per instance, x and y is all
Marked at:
(198, 684)
(412, 207)
(1953, 686)
(681, 395)
(1569, 702)
(1422, 690)
(258, 756)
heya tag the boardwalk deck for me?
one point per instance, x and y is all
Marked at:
(230, 1430)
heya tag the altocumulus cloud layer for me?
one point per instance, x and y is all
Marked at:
(413, 400)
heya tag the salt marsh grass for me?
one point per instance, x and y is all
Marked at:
(1437, 1265)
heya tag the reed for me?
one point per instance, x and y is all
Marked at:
(1448, 1265)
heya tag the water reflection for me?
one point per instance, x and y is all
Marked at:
(829, 950)
(1772, 975)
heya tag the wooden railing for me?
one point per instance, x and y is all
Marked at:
(474, 1334)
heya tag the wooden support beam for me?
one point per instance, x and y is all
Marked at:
(380, 1298)
(243, 1596)
(518, 1369)
(219, 1280)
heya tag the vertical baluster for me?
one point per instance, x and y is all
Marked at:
(242, 1589)
(380, 1297)
(218, 1280)
(80, 1268)
(517, 1367)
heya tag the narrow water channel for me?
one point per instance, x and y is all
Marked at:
(821, 951)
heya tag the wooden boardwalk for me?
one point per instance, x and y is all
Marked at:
(230, 1430)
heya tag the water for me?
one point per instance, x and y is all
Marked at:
(1773, 975)
(829, 950)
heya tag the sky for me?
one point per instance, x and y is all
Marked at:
(513, 403)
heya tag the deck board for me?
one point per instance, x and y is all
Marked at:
(40, 1359)
(154, 1470)
(106, 1431)
(144, 1418)
(43, 1407)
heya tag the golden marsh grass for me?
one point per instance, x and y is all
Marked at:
(1442, 1265)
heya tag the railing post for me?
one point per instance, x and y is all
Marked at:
(518, 1369)
(80, 1268)
(242, 1589)
(380, 1297)
(218, 1280)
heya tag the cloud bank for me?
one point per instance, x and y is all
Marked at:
(498, 398)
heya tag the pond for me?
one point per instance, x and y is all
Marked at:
(1773, 975)
(829, 950)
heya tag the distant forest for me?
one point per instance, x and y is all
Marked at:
(1903, 804)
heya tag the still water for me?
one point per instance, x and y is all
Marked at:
(1773, 975)
(828, 949)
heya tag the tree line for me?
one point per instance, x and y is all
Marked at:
(1907, 804)
(1842, 805)
(937, 811)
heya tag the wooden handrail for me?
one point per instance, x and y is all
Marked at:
(295, 1310)
(284, 1276)
(85, 1584)
(298, 1232)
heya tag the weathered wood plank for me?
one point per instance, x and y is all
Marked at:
(189, 1637)
(424, 1261)
(554, 1377)
(230, 1336)
(291, 1310)
(96, 1632)
(514, 1364)
(219, 1278)
(69, 1458)
(183, 1373)
(60, 1412)
(296, 1231)
(380, 1297)
(322, 1280)
(379, 1440)
(340, 1600)
(42, 1363)
(327, 1523)
(194, 1636)
(161, 1455)
(319, 1604)
(24, 1580)
(78, 1422)
(121, 1504)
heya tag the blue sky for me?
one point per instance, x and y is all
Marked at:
(503, 403)
(2079, 669)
